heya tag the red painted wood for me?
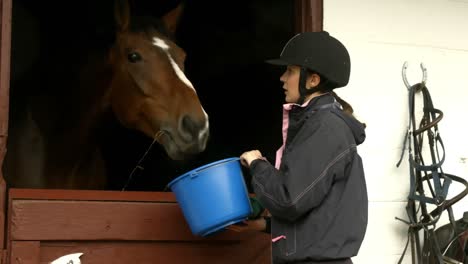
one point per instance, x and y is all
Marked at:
(85, 195)
(203, 252)
(120, 231)
(98, 220)
(25, 252)
(5, 42)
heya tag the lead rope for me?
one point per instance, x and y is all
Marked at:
(138, 166)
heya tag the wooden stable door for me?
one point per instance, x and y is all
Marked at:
(113, 227)
(117, 227)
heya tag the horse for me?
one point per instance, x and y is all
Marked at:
(54, 142)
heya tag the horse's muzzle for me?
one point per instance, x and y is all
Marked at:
(186, 140)
(194, 132)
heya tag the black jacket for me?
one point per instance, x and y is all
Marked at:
(318, 198)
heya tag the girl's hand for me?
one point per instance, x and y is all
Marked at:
(247, 157)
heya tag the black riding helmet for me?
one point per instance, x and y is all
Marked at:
(320, 53)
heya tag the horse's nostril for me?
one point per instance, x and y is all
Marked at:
(190, 127)
(194, 133)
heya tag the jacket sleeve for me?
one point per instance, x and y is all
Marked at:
(306, 175)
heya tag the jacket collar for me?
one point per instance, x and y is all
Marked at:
(325, 98)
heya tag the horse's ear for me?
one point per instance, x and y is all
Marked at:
(172, 18)
(122, 15)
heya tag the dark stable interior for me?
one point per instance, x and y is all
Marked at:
(226, 45)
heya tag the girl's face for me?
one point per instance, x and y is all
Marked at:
(290, 79)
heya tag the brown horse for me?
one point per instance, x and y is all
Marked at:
(141, 80)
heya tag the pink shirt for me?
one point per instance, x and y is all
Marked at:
(286, 109)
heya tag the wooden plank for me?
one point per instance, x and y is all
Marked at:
(87, 195)
(91, 195)
(5, 42)
(97, 220)
(202, 252)
(25, 252)
(257, 248)
(3, 210)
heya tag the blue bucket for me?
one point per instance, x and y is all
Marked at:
(213, 196)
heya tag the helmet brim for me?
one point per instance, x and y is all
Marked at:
(278, 62)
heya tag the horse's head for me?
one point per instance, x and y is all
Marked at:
(149, 90)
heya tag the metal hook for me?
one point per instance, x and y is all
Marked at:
(424, 70)
(403, 74)
(405, 80)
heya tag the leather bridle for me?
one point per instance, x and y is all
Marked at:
(423, 174)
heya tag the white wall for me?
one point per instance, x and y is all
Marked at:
(381, 36)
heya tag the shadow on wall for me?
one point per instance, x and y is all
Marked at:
(226, 49)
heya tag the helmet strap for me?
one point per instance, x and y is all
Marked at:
(303, 91)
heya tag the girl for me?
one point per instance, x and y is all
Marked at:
(315, 193)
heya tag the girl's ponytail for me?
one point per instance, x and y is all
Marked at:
(347, 108)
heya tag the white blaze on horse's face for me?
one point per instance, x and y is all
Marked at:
(162, 44)
(152, 94)
(187, 126)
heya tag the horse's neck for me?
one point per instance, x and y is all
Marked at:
(73, 112)
(70, 124)
(25, 159)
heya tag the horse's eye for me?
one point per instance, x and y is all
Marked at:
(134, 57)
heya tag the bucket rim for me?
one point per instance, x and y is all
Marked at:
(215, 163)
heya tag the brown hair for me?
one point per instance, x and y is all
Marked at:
(347, 108)
(326, 86)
